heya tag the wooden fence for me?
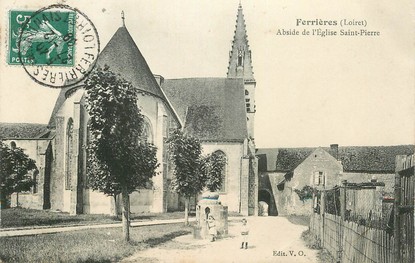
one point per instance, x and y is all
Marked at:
(404, 208)
(353, 242)
(349, 242)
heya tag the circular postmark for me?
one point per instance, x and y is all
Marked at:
(58, 46)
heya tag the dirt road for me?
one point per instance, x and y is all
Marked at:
(271, 239)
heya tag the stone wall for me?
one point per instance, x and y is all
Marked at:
(318, 161)
(234, 152)
(284, 184)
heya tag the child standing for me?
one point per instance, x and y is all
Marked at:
(212, 228)
(244, 233)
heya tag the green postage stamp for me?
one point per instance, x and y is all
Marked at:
(42, 38)
(56, 45)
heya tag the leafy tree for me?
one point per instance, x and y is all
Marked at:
(15, 166)
(188, 179)
(118, 162)
(213, 167)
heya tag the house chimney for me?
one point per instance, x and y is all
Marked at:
(159, 79)
(334, 148)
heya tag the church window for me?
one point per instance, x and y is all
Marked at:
(246, 92)
(247, 100)
(239, 61)
(69, 158)
(146, 134)
(224, 176)
(240, 58)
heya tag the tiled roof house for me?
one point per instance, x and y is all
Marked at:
(281, 170)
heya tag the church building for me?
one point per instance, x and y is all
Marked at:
(218, 111)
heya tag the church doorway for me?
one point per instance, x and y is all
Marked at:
(266, 203)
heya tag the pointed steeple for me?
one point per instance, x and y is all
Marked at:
(240, 61)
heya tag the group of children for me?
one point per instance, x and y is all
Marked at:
(244, 230)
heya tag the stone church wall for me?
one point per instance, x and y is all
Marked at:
(141, 201)
(234, 152)
(57, 179)
(98, 203)
(154, 200)
(61, 198)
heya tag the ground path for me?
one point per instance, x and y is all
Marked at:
(29, 231)
(268, 235)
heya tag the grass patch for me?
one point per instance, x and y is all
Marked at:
(95, 245)
(310, 240)
(299, 219)
(323, 256)
(20, 217)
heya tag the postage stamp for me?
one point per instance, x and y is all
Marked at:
(47, 39)
(57, 45)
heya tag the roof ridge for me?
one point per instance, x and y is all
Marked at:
(347, 146)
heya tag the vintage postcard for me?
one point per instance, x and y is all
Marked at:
(207, 131)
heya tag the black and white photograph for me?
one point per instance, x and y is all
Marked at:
(207, 131)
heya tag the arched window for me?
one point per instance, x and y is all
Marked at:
(240, 57)
(69, 158)
(221, 156)
(147, 133)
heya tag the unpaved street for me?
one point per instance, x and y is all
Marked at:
(271, 239)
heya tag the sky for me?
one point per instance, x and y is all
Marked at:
(311, 90)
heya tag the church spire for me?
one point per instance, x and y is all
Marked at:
(240, 61)
(123, 18)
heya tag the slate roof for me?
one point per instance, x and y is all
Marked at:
(368, 159)
(123, 56)
(22, 130)
(213, 109)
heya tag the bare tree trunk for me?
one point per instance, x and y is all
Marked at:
(115, 210)
(125, 214)
(186, 211)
